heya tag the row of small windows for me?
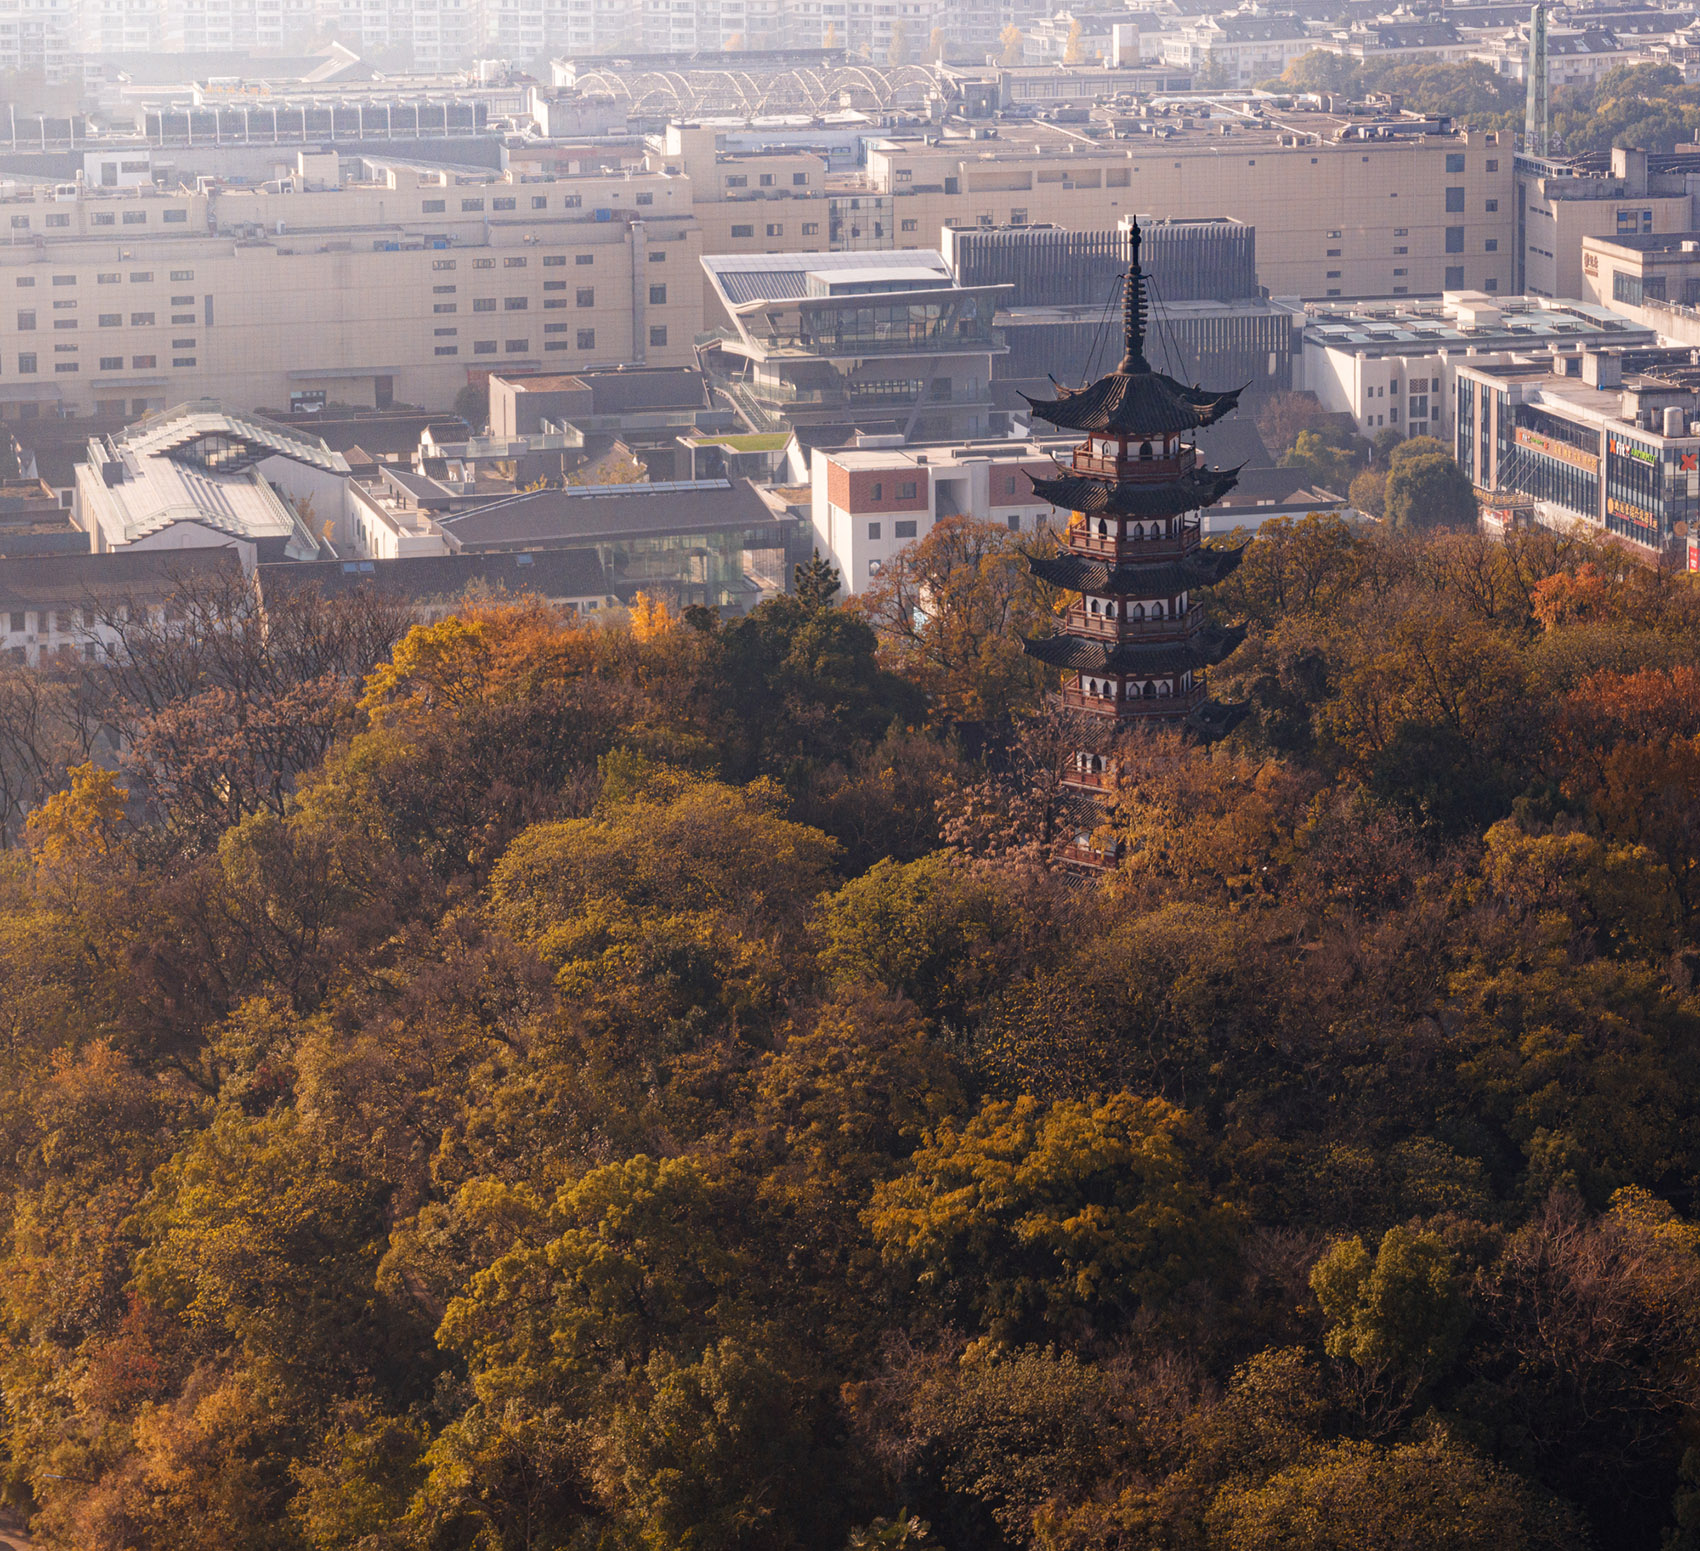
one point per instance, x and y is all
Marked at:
(28, 365)
(583, 339)
(60, 219)
(776, 229)
(113, 277)
(510, 202)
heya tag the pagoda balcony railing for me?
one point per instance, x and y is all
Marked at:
(1104, 546)
(1141, 470)
(1103, 628)
(1090, 780)
(1138, 706)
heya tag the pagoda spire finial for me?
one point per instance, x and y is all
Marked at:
(1133, 305)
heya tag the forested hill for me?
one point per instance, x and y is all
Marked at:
(549, 1087)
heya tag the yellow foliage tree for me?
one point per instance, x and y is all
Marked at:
(651, 618)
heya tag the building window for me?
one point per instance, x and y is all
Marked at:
(484, 304)
(515, 303)
(484, 347)
(767, 180)
(1399, 272)
(1454, 277)
(183, 360)
(775, 229)
(99, 218)
(903, 530)
(554, 260)
(445, 307)
(1492, 205)
(472, 204)
(182, 344)
(64, 279)
(584, 258)
(586, 339)
(501, 204)
(1333, 291)
(572, 201)
(1333, 274)
(141, 320)
(587, 296)
(811, 228)
(658, 296)
(111, 320)
(743, 231)
(556, 328)
(1455, 239)
(26, 363)
(434, 206)
(1492, 245)
(1491, 283)
(26, 318)
(658, 255)
(517, 346)
(907, 226)
(1492, 165)
(539, 201)
(435, 264)
(448, 350)
(448, 333)
(906, 491)
(65, 366)
(646, 199)
(189, 274)
(513, 263)
(799, 180)
(1454, 161)
(737, 181)
(874, 527)
(59, 220)
(25, 282)
(143, 363)
(658, 334)
(135, 218)
(484, 263)
(1454, 201)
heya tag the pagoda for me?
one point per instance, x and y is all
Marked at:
(1134, 643)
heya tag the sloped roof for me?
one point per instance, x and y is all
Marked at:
(1078, 573)
(1080, 493)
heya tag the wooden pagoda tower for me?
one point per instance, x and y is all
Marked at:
(1134, 643)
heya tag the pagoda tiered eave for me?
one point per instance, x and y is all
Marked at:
(1134, 404)
(1126, 498)
(1080, 654)
(1163, 579)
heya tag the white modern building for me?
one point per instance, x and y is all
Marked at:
(198, 477)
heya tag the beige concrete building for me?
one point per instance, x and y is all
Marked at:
(1560, 206)
(1342, 207)
(400, 288)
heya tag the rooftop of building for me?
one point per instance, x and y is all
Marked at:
(1656, 242)
(610, 514)
(936, 455)
(1463, 319)
(550, 573)
(72, 580)
(756, 277)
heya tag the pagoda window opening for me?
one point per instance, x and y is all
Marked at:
(1162, 686)
(1138, 611)
(1149, 691)
(1103, 529)
(1145, 452)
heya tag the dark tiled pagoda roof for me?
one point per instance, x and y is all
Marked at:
(1134, 402)
(1079, 573)
(1081, 493)
(1081, 654)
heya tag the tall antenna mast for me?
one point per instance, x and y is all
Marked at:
(1535, 105)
